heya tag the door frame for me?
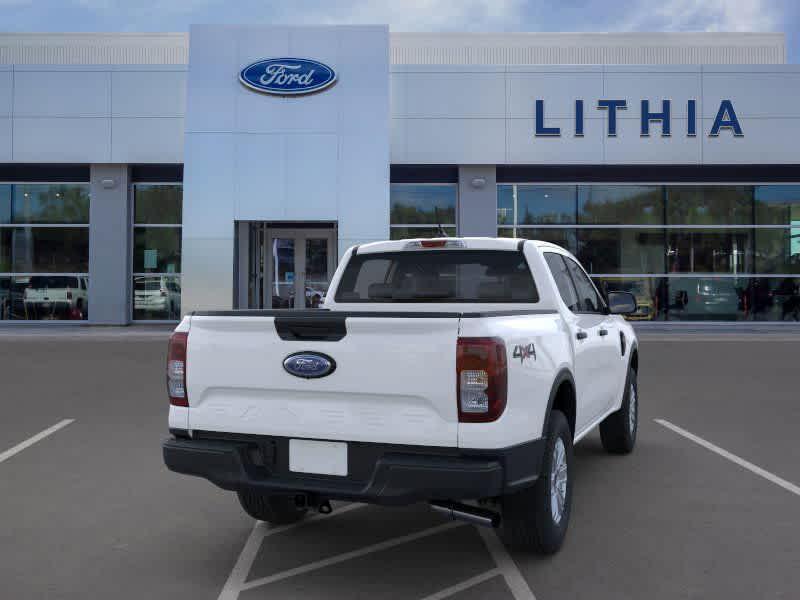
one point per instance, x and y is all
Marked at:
(300, 235)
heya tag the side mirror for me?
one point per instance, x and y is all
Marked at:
(621, 303)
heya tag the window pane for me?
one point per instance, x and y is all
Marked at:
(709, 205)
(563, 281)
(403, 233)
(44, 249)
(44, 297)
(158, 204)
(621, 204)
(621, 250)
(710, 251)
(778, 250)
(777, 205)
(157, 249)
(283, 273)
(317, 275)
(413, 204)
(561, 237)
(5, 203)
(650, 293)
(707, 299)
(537, 204)
(775, 299)
(45, 203)
(505, 204)
(588, 300)
(10, 298)
(156, 297)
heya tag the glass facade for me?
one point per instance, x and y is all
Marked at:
(44, 251)
(687, 252)
(418, 210)
(156, 285)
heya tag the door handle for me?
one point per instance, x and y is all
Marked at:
(604, 332)
(582, 335)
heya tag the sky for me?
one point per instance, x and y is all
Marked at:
(414, 15)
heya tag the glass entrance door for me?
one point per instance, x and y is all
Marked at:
(298, 265)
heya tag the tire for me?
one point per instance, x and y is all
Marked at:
(618, 430)
(278, 510)
(532, 519)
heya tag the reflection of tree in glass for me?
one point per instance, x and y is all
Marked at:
(158, 204)
(41, 203)
(418, 204)
(709, 205)
(411, 215)
(629, 204)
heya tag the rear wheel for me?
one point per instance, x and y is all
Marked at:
(618, 430)
(278, 510)
(536, 518)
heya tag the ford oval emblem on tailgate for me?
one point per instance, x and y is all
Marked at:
(309, 365)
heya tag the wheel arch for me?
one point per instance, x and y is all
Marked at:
(634, 360)
(563, 397)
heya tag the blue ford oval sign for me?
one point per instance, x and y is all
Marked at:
(287, 76)
(309, 365)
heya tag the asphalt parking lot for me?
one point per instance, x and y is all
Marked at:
(706, 507)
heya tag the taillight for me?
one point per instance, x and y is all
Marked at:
(482, 379)
(176, 369)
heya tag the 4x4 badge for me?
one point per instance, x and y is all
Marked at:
(522, 352)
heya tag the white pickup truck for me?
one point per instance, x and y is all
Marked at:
(456, 371)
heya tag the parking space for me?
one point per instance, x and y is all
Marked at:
(90, 511)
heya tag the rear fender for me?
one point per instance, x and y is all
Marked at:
(562, 376)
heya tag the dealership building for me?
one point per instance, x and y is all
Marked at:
(143, 176)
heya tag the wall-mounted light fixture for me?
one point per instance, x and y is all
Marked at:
(109, 183)
(478, 182)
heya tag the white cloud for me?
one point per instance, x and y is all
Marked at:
(705, 15)
(415, 15)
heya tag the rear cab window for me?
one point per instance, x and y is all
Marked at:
(446, 276)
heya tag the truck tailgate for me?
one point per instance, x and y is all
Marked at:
(394, 380)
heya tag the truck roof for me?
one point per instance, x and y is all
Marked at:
(462, 243)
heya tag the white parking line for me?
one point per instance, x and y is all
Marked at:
(788, 486)
(464, 585)
(327, 562)
(261, 530)
(32, 440)
(506, 565)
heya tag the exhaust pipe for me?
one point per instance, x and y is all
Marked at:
(464, 512)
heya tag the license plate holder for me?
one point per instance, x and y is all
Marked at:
(318, 457)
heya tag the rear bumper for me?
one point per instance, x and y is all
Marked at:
(378, 473)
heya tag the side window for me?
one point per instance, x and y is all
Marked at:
(589, 299)
(563, 280)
